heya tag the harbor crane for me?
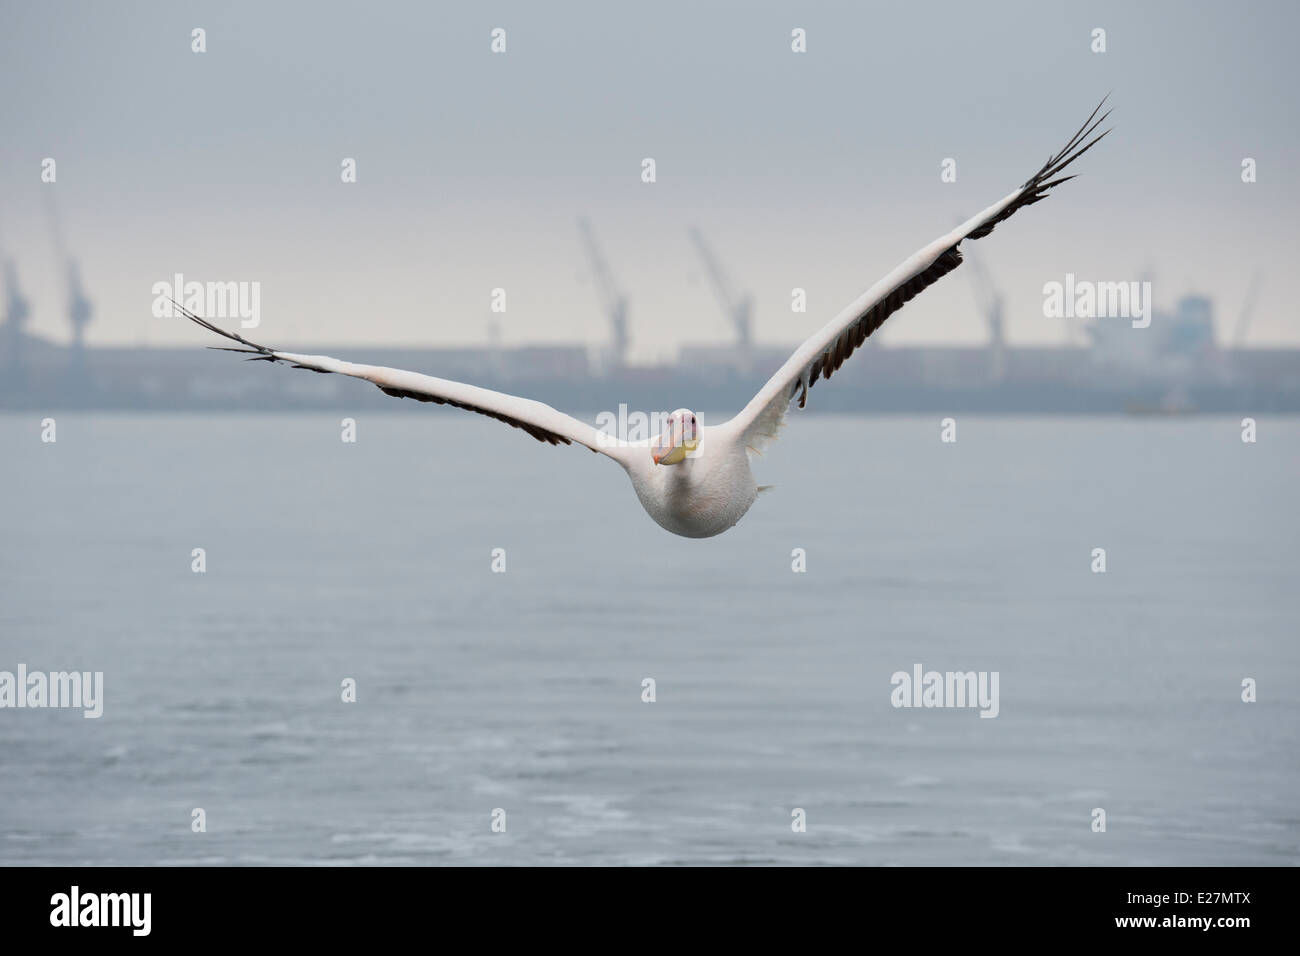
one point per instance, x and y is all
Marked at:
(612, 299)
(992, 305)
(739, 308)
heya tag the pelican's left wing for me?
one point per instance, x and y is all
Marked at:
(539, 420)
(822, 355)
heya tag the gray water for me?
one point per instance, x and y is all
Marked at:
(522, 691)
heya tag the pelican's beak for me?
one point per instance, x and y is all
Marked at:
(673, 447)
(667, 455)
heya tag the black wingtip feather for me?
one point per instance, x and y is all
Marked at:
(233, 336)
(1036, 188)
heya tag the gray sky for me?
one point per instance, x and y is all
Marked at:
(818, 170)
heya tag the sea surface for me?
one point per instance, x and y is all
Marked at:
(518, 696)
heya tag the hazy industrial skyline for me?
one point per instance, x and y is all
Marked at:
(818, 170)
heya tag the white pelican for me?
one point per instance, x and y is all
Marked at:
(691, 479)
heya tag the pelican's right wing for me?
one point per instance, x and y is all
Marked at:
(539, 420)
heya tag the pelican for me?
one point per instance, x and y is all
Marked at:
(693, 479)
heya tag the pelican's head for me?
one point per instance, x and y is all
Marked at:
(681, 435)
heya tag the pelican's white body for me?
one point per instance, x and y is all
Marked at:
(702, 496)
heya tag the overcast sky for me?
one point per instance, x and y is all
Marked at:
(819, 170)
